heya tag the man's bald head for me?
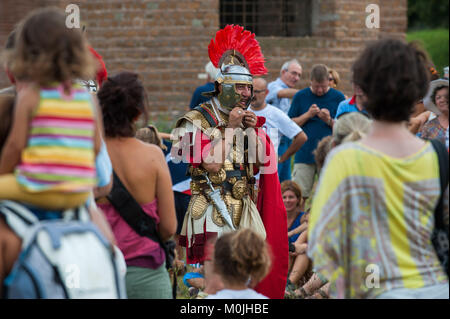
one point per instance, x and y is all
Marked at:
(259, 93)
(260, 82)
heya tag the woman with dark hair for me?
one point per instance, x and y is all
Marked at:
(143, 171)
(437, 102)
(373, 214)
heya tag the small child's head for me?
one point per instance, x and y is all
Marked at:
(150, 135)
(46, 50)
(323, 148)
(240, 256)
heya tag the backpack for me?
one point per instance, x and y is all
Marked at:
(64, 258)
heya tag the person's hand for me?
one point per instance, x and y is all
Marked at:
(236, 117)
(324, 115)
(300, 248)
(313, 110)
(250, 119)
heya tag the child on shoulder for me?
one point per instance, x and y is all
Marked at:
(49, 156)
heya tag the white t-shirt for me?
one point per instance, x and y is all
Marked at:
(237, 294)
(277, 124)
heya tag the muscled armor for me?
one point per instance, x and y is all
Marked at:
(234, 179)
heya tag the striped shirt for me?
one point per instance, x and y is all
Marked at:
(59, 155)
(372, 219)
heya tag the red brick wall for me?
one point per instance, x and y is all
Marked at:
(166, 41)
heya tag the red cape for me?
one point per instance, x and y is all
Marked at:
(273, 213)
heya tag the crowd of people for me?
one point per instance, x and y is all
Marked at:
(346, 182)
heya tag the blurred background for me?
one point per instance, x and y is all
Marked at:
(165, 41)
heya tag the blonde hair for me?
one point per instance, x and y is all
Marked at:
(335, 76)
(350, 127)
(150, 135)
(241, 255)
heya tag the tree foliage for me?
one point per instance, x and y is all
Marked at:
(428, 14)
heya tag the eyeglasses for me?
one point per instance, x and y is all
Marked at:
(330, 79)
(259, 91)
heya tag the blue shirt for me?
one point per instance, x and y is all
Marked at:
(180, 181)
(198, 98)
(294, 225)
(314, 128)
(272, 98)
(103, 166)
(348, 106)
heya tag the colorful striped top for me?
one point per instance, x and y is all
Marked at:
(372, 219)
(59, 155)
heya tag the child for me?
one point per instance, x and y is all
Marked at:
(242, 260)
(49, 157)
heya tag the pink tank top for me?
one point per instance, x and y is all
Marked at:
(138, 251)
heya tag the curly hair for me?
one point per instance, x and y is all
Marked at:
(122, 100)
(241, 255)
(393, 74)
(323, 148)
(46, 51)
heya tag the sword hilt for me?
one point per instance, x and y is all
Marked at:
(209, 182)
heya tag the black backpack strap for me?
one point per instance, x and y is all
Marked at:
(443, 159)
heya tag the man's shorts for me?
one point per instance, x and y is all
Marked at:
(303, 175)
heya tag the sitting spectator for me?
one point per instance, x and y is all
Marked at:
(241, 259)
(143, 171)
(366, 211)
(437, 102)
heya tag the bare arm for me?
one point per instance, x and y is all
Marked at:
(296, 144)
(298, 229)
(302, 119)
(164, 193)
(17, 139)
(287, 93)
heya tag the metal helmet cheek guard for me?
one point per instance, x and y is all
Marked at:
(228, 77)
(238, 56)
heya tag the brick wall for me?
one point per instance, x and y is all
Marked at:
(166, 41)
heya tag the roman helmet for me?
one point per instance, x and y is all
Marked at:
(237, 55)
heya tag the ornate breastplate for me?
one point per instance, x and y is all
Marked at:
(235, 179)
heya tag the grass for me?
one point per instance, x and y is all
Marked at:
(435, 42)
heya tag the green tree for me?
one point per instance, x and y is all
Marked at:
(428, 14)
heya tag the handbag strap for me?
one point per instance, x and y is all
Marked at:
(130, 210)
(443, 160)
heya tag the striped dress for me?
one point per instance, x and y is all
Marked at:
(59, 155)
